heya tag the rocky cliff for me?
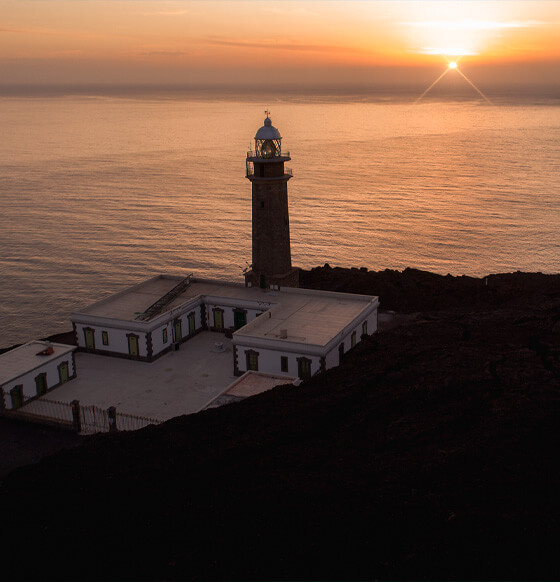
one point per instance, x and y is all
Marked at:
(430, 453)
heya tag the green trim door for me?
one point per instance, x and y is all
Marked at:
(178, 330)
(132, 345)
(304, 368)
(192, 323)
(239, 319)
(41, 384)
(63, 372)
(16, 395)
(218, 319)
(90, 338)
(252, 358)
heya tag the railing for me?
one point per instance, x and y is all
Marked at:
(93, 419)
(89, 419)
(157, 307)
(251, 154)
(45, 410)
(133, 422)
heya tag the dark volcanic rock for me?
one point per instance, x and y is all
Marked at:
(22, 443)
(430, 453)
(414, 290)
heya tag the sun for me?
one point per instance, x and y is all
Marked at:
(452, 65)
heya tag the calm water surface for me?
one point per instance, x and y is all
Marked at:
(100, 193)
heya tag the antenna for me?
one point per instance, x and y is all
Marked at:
(267, 113)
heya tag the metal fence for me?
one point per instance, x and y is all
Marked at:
(93, 419)
(45, 410)
(89, 419)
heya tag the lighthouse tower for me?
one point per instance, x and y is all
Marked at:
(272, 261)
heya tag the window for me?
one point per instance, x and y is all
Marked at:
(284, 363)
(364, 328)
(304, 368)
(252, 360)
(165, 336)
(353, 339)
(105, 338)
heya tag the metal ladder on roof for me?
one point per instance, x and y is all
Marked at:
(157, 307)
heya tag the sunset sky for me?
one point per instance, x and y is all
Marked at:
(186, 42)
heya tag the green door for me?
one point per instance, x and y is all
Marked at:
(304, 368)
(63, 372)
(240, 319)
(41, 384)
(133, 345)
(90, 339)
(178, 331)
(252, 360)
(218, 319)
(16, 394)
(192, 325)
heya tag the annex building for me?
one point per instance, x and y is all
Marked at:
(32, 370)
(288, 331)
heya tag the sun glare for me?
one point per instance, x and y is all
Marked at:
(452, 65)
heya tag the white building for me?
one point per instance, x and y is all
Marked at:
(34, 369)
(288, 331)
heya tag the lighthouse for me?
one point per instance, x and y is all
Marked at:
(271, 266)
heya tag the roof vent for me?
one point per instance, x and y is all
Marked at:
(283, 333)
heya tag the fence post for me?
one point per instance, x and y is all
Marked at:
(76, 416)
(112, 418)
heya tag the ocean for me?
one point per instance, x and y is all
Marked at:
(101, 192)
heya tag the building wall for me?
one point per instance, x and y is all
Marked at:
(27, 380)
(151, 344)
(229, 310)
(118, 339)
(159, 346)
(332, 357)
(269, 360)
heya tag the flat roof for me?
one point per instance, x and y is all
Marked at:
(19, 361)
(308, 316)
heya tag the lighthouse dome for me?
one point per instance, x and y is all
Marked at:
(268, 131)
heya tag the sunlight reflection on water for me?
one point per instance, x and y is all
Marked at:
(99, 194)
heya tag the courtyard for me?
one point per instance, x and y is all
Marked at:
(180, 382)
